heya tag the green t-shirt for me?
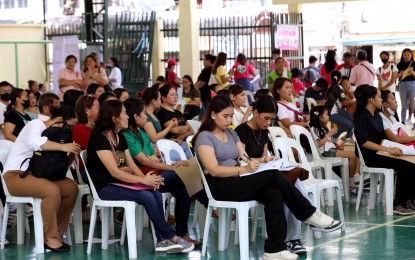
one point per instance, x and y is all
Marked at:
(136, 145)
(272, 76)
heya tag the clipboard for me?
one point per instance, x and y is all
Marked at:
(190, 176)
(407, 72)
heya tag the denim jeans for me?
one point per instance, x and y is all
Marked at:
(150, 199)
(344, 123)
(175, 185)
(407, 93)
(246, 83)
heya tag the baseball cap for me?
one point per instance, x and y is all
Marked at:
(171, 62)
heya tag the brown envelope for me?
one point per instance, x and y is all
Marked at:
(190, 176)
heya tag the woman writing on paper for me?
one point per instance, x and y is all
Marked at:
(370, 133)
(254, 137)
(109, 162)
(218, 148)
(142, 151)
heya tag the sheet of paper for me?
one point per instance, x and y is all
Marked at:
(407, 150)
(272, 165)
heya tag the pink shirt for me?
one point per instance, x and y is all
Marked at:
(68, 75)
(361, 75)
(242, 71)
(272, 65)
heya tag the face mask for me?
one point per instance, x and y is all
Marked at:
(384, 60)
(5, 97)
(26, 103)
(390, 111)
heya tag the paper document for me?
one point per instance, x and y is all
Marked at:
(272, 165)
(406, 150)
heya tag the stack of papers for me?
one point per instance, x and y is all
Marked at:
(279, 164)
(406, 150)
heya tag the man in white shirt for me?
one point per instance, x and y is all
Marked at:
(5, 89)
(47, 102)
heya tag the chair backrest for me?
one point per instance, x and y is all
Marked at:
(249, 98)
(205, 184)
(189, 141)
(5, 147)
(285, 145)
(276, 132)
(195, 125)
(91, 184)
(297, 131)
(362, 161)
(166, 146)
(182, 104)
(311, 102)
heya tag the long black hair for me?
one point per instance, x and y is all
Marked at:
(265, 104)
(384, 95)
(217, 104)
(330, 63)
(335, 75)
(315, 114)
(362, 94)
(150, 94)
(134, 106)
(104, 122)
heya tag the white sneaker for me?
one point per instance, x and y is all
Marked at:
(349, 141)
(356, 178)
(319, 219)
(280, 255)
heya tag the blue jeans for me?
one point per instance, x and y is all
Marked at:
(175, 185)
(407, 93)
(150, 199)
(246, 83)
(344, 123)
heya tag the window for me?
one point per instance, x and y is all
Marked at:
(22, 3)
(8, 4)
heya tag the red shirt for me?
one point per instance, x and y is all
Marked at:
(80, 134)
(298, 85)
(243, 71)
(171, 77)
(325, 74)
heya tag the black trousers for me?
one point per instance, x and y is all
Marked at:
(405, 180)
(272, 189)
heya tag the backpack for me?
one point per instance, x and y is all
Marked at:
(51, 165)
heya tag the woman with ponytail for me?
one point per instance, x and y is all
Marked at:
(370, 133)
(336, 103)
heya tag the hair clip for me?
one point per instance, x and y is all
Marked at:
(316, 113)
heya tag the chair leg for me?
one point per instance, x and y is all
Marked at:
(139, 221)
(21, 218)
(374, 179)
(4, 224)
(254, 214)
(123, 231)
(105, 220)
(340, 207)
(345, 177)
(381, 186)
(328, 175)
(389, 183)
(195, 214)
(111, 222)
(94, 210)
(207, 227)
(77, 220)
(131, 230)
(222, 229)
(153, 232)
(202, 219)
(243, 228)
(69, 236)
(38, 226)
(360, 190)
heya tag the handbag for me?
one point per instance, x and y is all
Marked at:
(51, 165)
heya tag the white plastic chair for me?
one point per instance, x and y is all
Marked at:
(166, 146)
(195, 125)
(313, 185)
(386, 181)
(311, 102)
(328, 162)
(20, 202)
(131, 216)
(249, 95)
(242, 209)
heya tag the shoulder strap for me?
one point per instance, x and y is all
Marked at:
(114, 154)
(25, 173)
(371, 72)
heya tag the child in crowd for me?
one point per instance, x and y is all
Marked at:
(318, 122)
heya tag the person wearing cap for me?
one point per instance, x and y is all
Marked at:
(276, 53)
(171, 76)
(364, 72)
(347, 66)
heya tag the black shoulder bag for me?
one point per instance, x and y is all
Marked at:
(51, 165)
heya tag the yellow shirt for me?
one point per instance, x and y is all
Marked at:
(221, 71)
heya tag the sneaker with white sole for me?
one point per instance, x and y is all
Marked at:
(356, 178)
(286, 255)
(334, 226)
(349, 141)
(168, 247)
(187, 246)
(323, 223)
(296, 247)
(403, 211)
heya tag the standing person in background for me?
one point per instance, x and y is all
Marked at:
(256, 81)
(203, 80)
(115, 76)
(42, 88)
(5, 90)
(219, 71)
(171, 76)
(92, 73)
(32, 110)
(363, 73)
(241, 71)
(276, 53)
(15, 118)
(347, 66)
(406, 82)
(386, 73)
(192, 96)
(311, 72)
(279, 71)
(69, 78)
(329, 65)
(34, 87)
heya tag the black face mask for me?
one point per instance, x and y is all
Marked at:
(5, 97)
(384, 60)
(26, 103)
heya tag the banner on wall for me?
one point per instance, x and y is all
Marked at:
(62, 47)
(287, 37)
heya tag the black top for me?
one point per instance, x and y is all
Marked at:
(368, 128)
(312, 93)
(402, 66)
(17, 119)
(99, 174)
(165, 115)
(205, 76)
(335, 94)
(254, 140)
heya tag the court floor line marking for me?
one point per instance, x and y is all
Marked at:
(361, 232)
